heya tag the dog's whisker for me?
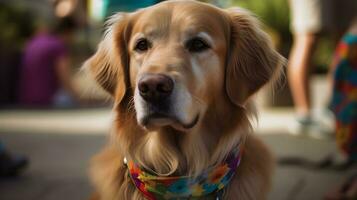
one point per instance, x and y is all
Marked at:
(131, 104)
(200, 101)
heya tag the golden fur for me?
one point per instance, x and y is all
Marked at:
(215, 85)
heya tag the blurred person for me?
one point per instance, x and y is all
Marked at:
(11, 165)
(311, 18)
(344, 106)
(45, 78)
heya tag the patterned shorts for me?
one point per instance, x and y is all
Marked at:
(344, 100)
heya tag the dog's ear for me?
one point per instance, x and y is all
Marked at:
(108, 65)
(252, 60)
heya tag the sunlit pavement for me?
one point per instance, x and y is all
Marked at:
(98, 121)
(60, 143)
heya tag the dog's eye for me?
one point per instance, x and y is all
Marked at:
(142, 45)
(197, 45)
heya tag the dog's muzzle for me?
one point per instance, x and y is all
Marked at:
(158, 102)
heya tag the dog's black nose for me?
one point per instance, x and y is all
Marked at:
(154, 87)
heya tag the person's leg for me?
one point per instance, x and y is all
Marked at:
(298, 71)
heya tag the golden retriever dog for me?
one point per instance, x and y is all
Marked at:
(182, 74)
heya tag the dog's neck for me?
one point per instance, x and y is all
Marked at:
(170, 152)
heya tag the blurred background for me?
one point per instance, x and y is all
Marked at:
(58, 131)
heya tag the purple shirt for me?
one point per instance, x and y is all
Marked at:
(39, 81)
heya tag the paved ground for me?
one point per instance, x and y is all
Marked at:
(59, 162)
(58, 166)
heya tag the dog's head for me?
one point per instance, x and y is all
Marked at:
(177, 59)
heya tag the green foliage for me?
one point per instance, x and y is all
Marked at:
(17, 25)
(275, 15)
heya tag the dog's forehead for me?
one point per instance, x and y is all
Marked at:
(180, 16)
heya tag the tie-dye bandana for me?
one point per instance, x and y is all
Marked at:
(211, 181)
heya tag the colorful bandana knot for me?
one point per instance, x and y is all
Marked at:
(210, 181)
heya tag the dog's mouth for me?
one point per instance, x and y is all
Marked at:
(157, 120)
